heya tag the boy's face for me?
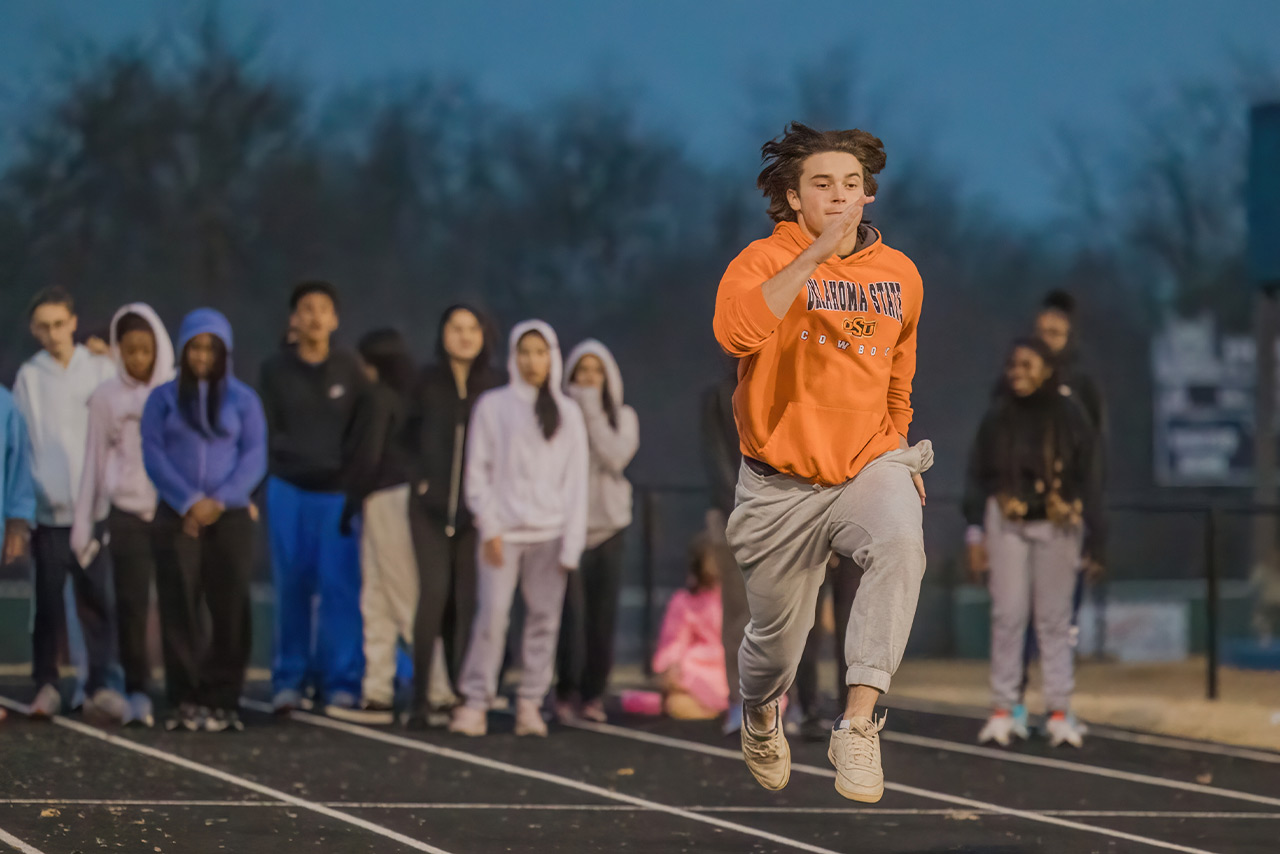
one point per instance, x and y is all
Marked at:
(829, 183)
(1054, 329)
(138, 352)
(315, 318)
(54, 326)
(533, 359)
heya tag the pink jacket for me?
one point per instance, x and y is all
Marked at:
(691, 638)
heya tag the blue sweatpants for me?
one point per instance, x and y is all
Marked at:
(310, 559)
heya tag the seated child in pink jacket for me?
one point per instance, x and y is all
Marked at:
(690, 654)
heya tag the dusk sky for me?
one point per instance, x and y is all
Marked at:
(983, 84)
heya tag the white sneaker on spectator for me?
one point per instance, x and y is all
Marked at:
(1063, 730)
(48, 702)
(999, 728)
(768, 756)
(529, 718)
(107, 706)
(469, 721)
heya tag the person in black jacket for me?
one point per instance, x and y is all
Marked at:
(311, 393)
(1032, 497)
(444, 536)
(722, 455)
(378, 493)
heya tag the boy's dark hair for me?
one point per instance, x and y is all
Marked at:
(784, 159)
(56, 295)
(132, 322)
(1060, 301)
(312, 286)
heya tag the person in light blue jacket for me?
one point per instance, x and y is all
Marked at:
(204, 444)
(17, 491)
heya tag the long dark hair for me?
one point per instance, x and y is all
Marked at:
(606, 399)
(479, 377)
(385, 349)
(189, 389)
(545, 407)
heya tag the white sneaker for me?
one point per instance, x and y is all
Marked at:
(141, 711)
(855, 752)
(469, 721)
(48, 702)
(107, 706)
(1063, 730)
(768, 755)
(529, 718)
(999, 728)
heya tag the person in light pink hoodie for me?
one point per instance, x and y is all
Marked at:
(690, 655)
(116, 504)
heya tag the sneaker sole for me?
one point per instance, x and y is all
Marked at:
(862, 796)
(468, 733)
(361, 716)
(522, 732)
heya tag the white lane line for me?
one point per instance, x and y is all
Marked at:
(913, 704)
(696, 747)
(522, 807)
(516, 770)
(17, 844)
(260, 789)
(1075, 767)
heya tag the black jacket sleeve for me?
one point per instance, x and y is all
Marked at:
(1089, 475)
(980, 474)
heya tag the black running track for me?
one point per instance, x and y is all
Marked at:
(643, 785)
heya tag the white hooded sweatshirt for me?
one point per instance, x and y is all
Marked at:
(113, 469)
(612, 448)
(521, 486)
(54, 401)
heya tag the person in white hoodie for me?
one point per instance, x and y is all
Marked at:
(52, 392)
(114, 487)
(526, 484)
(585, 655)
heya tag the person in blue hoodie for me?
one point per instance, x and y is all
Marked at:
(17, 490)
(204, 444)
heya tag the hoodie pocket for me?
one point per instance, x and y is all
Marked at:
(821, 441)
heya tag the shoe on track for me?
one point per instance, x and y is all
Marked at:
(141, 712)
(468, 721)
(107, 706)
(286, 701)
(48, 702)
(594, 711)
(768, 756)
(1021, 727)
(529, 719)
(223, 720)
(371, 712)
(855, 753)
(1063, 730)
(1000, 728)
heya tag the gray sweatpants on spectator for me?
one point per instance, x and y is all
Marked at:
(1033, 571)
(783, 532)
(536, 568)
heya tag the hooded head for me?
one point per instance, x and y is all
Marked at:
(200, 397)
(611, 399)
(548, 396)
(162, 366)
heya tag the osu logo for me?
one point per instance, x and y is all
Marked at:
(859, 327)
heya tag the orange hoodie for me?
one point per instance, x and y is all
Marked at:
(826, 389)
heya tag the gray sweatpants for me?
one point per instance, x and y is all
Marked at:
(1033, 571)
(389, 587)
(783, 532)
(536, 568)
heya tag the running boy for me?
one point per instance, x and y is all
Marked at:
(822, 315)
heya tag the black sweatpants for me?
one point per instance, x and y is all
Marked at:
(203, 587)
(54, 561)
(843, 582)
(446, 598)
(133, 564)
(584, 657)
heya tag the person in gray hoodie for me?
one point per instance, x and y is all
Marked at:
(585, 654)
(114, 488)
(52, 393)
